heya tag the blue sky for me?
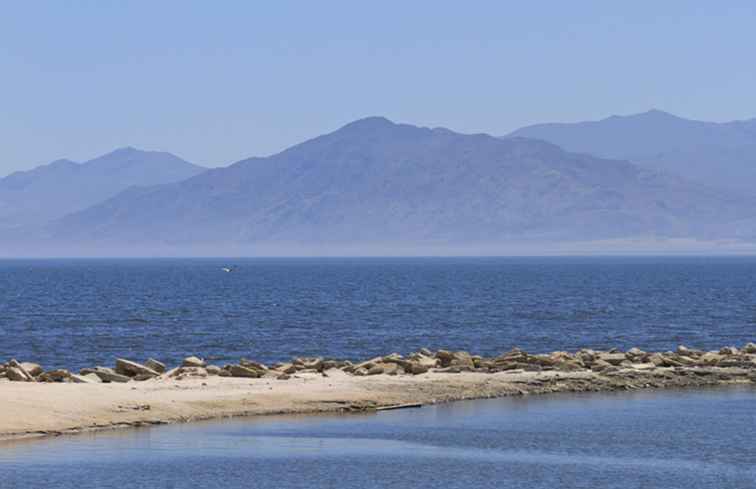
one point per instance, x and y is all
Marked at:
(215, 82)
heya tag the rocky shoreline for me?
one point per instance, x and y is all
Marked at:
(41, 402)
(442, 361)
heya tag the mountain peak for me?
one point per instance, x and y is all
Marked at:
(369, 124)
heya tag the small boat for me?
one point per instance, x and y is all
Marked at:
(227, 269)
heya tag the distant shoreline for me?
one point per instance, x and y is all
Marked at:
(312, 386)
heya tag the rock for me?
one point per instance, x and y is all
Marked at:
(109, 375)
(376, 369)
(287, 368)
(240, 371)
(688, 352)
(19, 372)
(155, 365)
(600, 365)
(710, 358)
(283, 377)
(143, 377)
(18, 375)
(417, 369)
(60, 375)
(636, 354)
(643, 366)
(224, 373)
(189, 372)
(463, 360)
(445, 357)
(425, 352)
(729, 350)
(193, 362)
(33, 369)
(361, 371)
(85, 379)
(213, 370)
(252, 364)
(750, 348)
(134, 369)
(612, 358)
(392, 369)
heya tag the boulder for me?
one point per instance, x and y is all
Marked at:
(463, 360)
(85, 379)
(60, 375)
(252, 364)
(213, 370)
(189, 372)
(241, 371)
(155, 365)
(417, 369)
(600, 365)
(612, 358)
(33, 369)
(688, 352)
(426, 352)
(18, 375)
(750, 348)
(729, 350)
(287, 368)
(392, 369)
(636, 354)
(109, 375)
(710, 359)
(193, 362)
(283, 377)
(376, 369)
(134, 369)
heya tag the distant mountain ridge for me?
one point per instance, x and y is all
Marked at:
(716, 154)
(377, 181)
(51, 191)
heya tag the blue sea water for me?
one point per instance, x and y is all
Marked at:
(75, 313)
(649, 440)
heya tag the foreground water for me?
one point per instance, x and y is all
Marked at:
(74, 313)
(642, 440)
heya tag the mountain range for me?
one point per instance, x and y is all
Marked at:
(51, 191)
(374, 181)
(717, 154)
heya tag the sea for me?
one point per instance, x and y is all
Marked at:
(86, 312)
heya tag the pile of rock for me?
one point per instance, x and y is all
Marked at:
(420, 362)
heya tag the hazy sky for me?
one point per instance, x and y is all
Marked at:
(215, 82)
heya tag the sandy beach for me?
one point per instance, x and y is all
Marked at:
(48, 409)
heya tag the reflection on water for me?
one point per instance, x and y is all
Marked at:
(643, 440)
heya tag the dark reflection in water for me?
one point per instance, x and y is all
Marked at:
(648, 440)
(76, 313)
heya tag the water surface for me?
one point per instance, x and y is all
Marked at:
(75, 313)
(642, 440)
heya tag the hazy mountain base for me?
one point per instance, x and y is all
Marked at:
(647, 246)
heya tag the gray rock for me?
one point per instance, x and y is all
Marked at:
(33, 369)
(155, 365)
(134, 369)
(109, 375)
(59, 375)
(240, 371)
(254, 365)
(17, 375)
(85, 379)
(213, 370)
(193, 362)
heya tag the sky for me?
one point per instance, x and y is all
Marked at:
(216, 82)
